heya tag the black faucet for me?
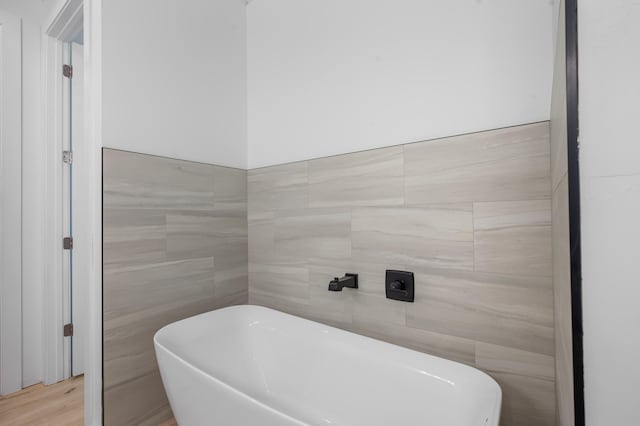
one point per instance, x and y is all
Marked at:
(349, 280)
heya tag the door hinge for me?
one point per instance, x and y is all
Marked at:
(68, 330)
(67, 157)
(67, 243)
(67, 71)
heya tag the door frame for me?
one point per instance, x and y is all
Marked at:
(66, 17)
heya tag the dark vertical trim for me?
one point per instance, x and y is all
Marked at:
(102, 269)
(571, 21)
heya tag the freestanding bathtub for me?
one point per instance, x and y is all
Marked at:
(253, 366)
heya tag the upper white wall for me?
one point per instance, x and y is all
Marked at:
(330, 76)
(174, 79)
(33, 11)
(609, 65)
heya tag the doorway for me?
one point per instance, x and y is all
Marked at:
(74, 200)
(44, 287)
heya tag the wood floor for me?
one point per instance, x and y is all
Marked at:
(60, 405)
(55, 405)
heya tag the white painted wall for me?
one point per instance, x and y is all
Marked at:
(609, 64)
(33, 165)
(31, 13)
(10, 203)
(34, 11)
(555, 15)
(330, 76)
(173, 79)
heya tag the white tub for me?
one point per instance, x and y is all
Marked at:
(253, 366)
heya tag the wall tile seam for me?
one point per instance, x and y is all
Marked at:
(444, 271)
(473, 234)
(404, 175)
(421, 205)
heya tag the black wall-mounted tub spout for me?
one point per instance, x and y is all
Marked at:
(349, 280)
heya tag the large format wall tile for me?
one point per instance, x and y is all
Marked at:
(513, 237)
(313, 233)
(469, 215)
(562, 301)
(438, 236)
(369, 178)
(174, 245)
(504, 164)
(277, 188)
(512, 311)
(527, 381)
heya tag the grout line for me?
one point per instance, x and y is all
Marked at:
(473, 232)
(404, 177)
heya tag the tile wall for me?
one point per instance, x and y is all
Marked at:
(175, 245)
(470, 215)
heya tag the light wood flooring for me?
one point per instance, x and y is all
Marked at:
(60, 404)
(56, 405)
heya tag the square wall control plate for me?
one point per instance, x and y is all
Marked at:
(399, 285)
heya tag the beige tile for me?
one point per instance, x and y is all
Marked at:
(368, 178)
(426, 236)
(130, 290)
(261, 228)
(278, 187)
(158, 172)
(345, 214)
(257, 296)
(504, 164)
(285, 279)
(191, 236)
(513, 237)
(175, 245)
(502, 359)
(441, 345)
(368, 308)
(137, 181)
(526, 401)
(128, 338)
(512, 311)
(558, 141)
(230, 191)
(231, 274)
(329, 307)
(146, 408)
(313, 232)
(132, 237)
(562, 300)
